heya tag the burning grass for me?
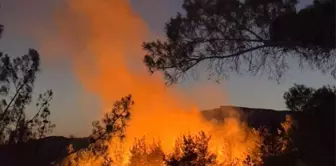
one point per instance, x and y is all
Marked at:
(232, 143)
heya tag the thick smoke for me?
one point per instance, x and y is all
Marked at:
(105, 37)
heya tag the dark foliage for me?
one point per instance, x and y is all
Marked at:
(277, 148)
(253, 36)
(17, 78)
(297, 97)
(39, 152)
(112, 125)
(113, 122)
(314, 134)
(312, 27)
(18, 130)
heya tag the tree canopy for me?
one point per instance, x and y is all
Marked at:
(249, 36)
(17, 79)
(314, 134)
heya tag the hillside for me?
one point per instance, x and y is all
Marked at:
(41, 152)
(254, 117)
(38, 152)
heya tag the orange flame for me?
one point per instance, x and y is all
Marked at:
(107, 36)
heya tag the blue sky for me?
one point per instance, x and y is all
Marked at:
(73, 109)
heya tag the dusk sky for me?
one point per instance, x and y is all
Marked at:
(73, 108)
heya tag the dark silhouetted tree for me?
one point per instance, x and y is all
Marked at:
(112, 126)
(20, 128)
(253, 36)
(17, 78)
(277, 148)
(314, 129)
(114, 122)
(297, 97)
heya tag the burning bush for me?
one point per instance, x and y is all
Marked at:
(191, 151)
(142, 154)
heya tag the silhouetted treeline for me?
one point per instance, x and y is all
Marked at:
(305, 135)
(245, 36)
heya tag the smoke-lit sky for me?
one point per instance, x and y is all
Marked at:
(73, 109)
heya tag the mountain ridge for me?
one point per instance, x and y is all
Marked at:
(254, 117)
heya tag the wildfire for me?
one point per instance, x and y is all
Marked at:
(107, 37)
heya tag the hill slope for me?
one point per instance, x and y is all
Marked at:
(38, 152)
(254, 117)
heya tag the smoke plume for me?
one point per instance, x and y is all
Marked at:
(105, 37)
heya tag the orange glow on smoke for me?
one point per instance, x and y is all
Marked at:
(107, 36)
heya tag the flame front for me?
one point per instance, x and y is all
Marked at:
(107, 36)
